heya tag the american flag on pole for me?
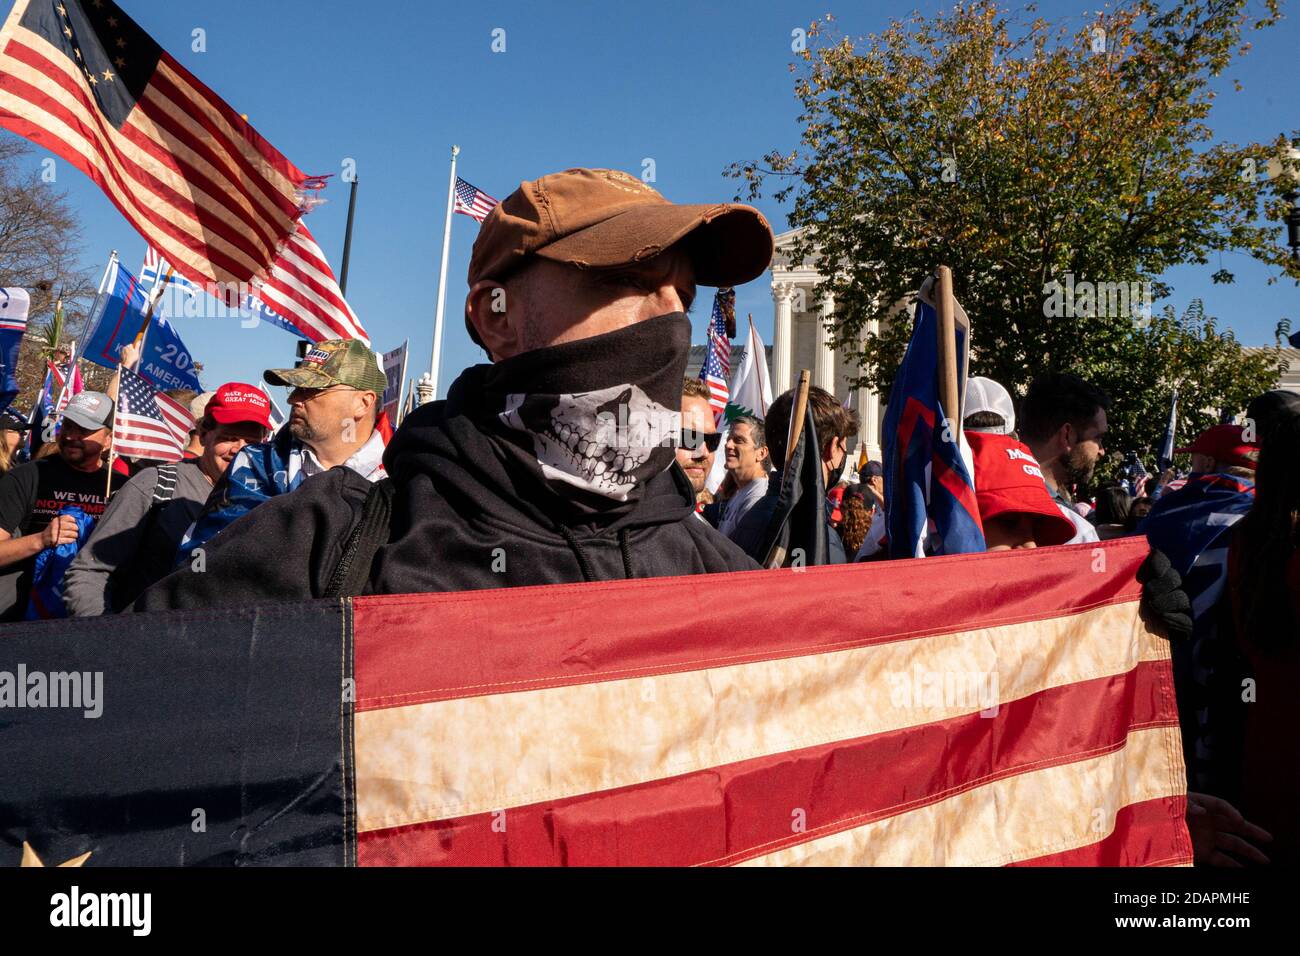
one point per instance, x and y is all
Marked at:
(472, 201)
(148, 424)
(717, 359)
(154, 268)
(302, 290)
(1027, 718)
(81, 79)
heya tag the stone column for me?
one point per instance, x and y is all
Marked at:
(823, 354)
(870, 411)
(782, 337)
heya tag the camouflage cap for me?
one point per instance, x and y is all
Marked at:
(334, 362)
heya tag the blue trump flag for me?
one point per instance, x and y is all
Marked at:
(930, 503)
(14, 304)
(117, 317)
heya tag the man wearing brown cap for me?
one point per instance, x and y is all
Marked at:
(553, 464)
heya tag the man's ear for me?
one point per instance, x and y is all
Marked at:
(494, 316)
(1066, 436)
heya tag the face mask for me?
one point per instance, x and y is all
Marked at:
(601, 415)
(837, 473)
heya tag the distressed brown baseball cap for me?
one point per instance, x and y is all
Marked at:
(599, 218)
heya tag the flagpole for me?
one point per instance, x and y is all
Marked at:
(347, 239)
(798, 412)
(114, 386)
(945, 308)
(158, 291)
(442, 276)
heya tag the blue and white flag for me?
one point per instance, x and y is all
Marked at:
(154, 268)
(930, 501)
(116, 319)
(14, 304)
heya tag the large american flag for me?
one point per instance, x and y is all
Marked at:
(717, 360)
(1025, 718)
(472, 201)
(81, 79)
(148, 424)
(302, 288)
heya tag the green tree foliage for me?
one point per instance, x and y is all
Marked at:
(1017, 152)
(1189, 353)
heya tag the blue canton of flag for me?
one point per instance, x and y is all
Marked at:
(717, 360)
(472, 201)
(929, 495)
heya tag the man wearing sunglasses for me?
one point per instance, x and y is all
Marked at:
(700, 437)
(552, 462)
(334, 399)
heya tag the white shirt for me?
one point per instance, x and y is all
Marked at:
(741, 502)
(368, 462)
(1083, 529)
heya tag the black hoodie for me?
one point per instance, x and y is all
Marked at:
(465, 515)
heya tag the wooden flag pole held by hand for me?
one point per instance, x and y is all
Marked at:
(945, 309)
(776, 557)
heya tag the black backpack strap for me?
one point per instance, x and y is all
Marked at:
(367, 537)
(165, 487)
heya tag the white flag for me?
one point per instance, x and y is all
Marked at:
(750, 394)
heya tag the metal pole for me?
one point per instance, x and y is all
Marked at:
(442, 277)
(347, 238)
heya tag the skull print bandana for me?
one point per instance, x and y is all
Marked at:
(601, 415)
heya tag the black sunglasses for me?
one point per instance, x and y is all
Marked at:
(691, 439)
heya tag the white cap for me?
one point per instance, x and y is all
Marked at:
(986, 395)
(199, 404)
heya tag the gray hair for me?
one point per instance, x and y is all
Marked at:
(756, 430)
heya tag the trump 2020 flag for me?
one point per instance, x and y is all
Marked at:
(929, 492)
(117, 317)
(14, 304)
(1027, 718)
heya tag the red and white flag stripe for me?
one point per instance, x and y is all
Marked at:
(302, 288)
(865, 724)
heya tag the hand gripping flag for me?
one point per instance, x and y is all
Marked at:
(116, 319)
(929, 492)
(1027, 718)
(14, 304)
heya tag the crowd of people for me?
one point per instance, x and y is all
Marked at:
(580, 452)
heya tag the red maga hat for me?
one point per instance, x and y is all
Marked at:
(239, 402)
(1225, 445)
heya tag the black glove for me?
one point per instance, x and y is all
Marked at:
(1164, 601)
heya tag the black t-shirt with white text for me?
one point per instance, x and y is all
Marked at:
(31, 495)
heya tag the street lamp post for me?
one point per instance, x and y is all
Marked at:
(1288, 165)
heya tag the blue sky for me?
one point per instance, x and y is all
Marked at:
(692, 86)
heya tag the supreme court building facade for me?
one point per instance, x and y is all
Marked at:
(801, 340)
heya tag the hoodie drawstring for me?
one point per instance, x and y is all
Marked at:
(626, 551)
(584, 565)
